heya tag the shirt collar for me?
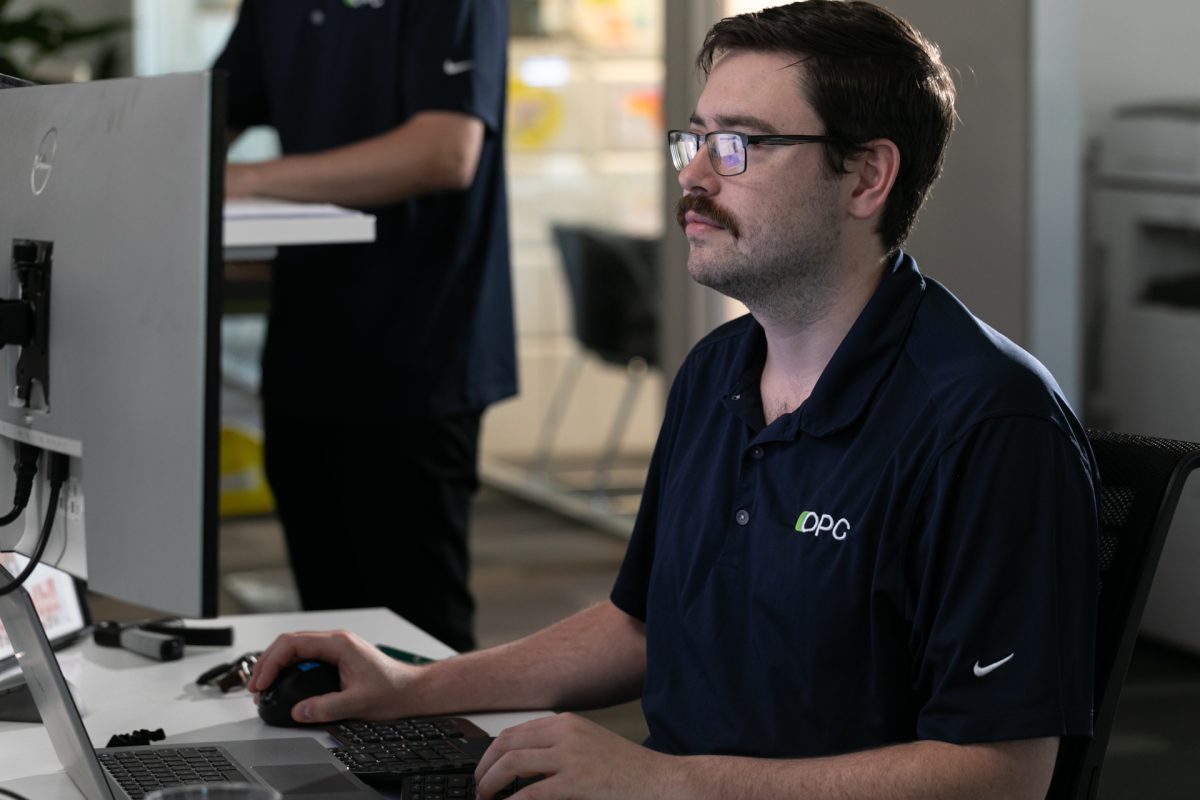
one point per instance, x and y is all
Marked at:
(858, 366)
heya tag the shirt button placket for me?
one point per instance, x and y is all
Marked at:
(742, 515)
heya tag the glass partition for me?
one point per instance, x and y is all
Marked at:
(585, 138)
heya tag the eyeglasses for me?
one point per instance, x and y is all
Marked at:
(727, 149)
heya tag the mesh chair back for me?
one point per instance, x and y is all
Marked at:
(613, 282)
(1141, 478)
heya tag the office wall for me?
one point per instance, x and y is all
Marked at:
(1137, 52)
(973, 234)
(1037, 80)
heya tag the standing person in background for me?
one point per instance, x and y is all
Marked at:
(380, 358)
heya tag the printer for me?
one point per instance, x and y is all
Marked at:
(1143, 269)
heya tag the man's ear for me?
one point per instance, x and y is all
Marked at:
(873, 172)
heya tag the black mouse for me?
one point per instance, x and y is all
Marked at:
(294, 683)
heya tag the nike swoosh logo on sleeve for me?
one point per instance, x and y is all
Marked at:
(457, 67)
(995, 665)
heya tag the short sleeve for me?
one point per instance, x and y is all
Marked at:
(455, 58)
(633, 581)
(632, 586)
(1005, 578)
(242, 60)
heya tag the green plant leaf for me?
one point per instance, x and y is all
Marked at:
(46, 31)
(98, 31)
(49, 29)
(9, 68)
(106, 63)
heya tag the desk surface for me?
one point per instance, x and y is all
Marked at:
(121, 692)
(253, 228)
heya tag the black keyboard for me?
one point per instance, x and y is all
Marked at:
(139, 772)
(385, 753)
(439, 787)
(412, 729)
(451, 787)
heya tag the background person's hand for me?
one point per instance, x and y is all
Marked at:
(372, 683)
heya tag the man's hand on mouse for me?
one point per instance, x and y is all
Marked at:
(372, 684)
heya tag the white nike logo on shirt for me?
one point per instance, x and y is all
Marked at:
(981, 671)
(456, 67)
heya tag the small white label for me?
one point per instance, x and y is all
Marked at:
(46, 441)
(71, 502)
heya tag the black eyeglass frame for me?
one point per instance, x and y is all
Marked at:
(783, 139)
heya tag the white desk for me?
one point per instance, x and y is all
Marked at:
(122, 692)
(252, 229)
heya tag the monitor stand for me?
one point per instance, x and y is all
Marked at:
(16, 700)
(50, 691)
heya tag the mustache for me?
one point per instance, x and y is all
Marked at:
(705, 207)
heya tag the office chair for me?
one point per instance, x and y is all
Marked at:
(612, 281)
(1141, 479)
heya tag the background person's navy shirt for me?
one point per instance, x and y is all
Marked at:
(946, 503)
(420, 323)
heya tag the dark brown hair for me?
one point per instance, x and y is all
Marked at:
(868, 74)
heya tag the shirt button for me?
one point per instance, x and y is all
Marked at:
(757, 452)
(742, 516)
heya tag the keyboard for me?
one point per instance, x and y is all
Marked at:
(138, 772)
(412, 729)
(385, 753)
(451, 787)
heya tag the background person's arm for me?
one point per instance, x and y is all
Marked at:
(434, 151)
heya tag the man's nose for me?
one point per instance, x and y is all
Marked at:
(698, 175)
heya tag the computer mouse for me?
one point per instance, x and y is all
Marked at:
(294, 683)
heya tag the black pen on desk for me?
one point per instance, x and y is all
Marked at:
(404, 655)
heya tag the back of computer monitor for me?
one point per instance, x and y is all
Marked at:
(119, 185)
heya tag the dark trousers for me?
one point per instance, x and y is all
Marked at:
(376, 514)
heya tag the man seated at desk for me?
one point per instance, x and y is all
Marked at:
(865, 561)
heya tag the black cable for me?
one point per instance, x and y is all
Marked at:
(25, 466)
(59, 469)
(12, 794)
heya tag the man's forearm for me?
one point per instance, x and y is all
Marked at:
(594, 658)
(434, 151)
(924, 770)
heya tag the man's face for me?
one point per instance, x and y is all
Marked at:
(769, 236)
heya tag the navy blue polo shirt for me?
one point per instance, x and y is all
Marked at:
(419, 323)
(909, 555)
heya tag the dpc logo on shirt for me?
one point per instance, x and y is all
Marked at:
(816, 524)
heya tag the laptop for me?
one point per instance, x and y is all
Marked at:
(296, 767)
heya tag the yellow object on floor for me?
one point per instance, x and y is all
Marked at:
(244, 490)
